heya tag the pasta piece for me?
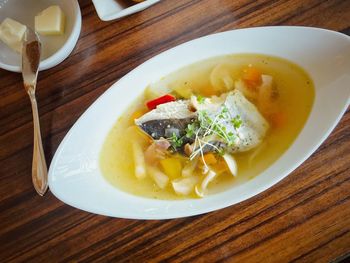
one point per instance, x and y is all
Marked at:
(220, 78)
(139, 161)
(231, 163)
(201, 189)
(184, 186)
(158, 176)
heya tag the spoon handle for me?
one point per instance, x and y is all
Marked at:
(39, 169)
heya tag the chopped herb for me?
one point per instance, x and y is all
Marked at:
(175, 141)
(214, 127)
(191, 129)
(221, 151)
(208, 125)
(200, 99)
(224, 109)
(236, 122)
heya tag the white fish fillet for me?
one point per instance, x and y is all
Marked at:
(254, 126)
(177, 115)
(172, 110)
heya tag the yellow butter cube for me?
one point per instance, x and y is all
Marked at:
(50, 21)
(12, 34)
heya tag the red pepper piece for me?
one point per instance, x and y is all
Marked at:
(152, 104)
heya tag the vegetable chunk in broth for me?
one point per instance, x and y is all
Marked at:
(208, 127)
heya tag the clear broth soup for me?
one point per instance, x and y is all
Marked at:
(295, 99)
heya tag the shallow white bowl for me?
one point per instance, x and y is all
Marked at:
(75, 177)
(55, 49)
(114, 9)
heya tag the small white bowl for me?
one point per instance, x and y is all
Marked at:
(114, 9)
(55, 49)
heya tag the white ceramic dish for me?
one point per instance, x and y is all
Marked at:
(114, 9)
(75, 177)
(55, 49)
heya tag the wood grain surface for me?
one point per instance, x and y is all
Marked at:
(304, 218)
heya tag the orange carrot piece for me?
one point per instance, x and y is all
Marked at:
(220, 167)
(252, 77)
(209, 158)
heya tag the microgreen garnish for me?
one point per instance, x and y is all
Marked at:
(209, 126)
(236, 122)
(191, 129)
(200, 99)
(213, 127)
(175, 141)
(221, 152)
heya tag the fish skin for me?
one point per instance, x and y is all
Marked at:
(171, 115)
(157, 128)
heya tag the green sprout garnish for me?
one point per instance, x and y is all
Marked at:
(236, 122)
(224, 109)
(221, 152)
(191, 129)
(200, 99)
(175, 141)
(213, 126)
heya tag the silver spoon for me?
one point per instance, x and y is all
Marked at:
(30, 64)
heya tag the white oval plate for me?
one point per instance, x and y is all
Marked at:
(75, 177)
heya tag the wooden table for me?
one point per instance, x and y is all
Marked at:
(306, 217)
